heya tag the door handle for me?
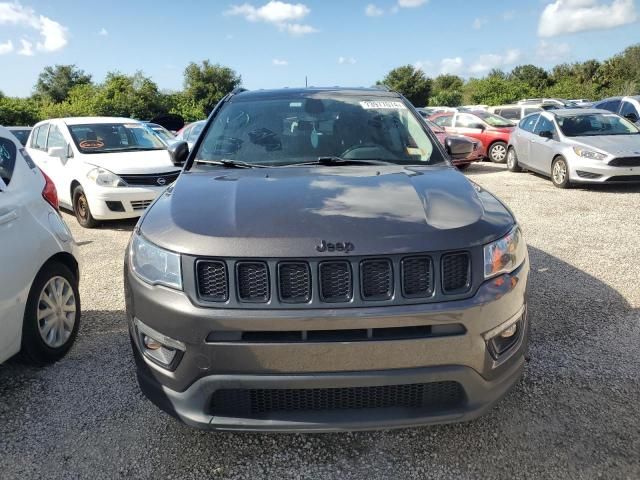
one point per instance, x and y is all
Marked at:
(8, 217)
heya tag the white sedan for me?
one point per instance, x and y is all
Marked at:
(39, 273)
(104, 168)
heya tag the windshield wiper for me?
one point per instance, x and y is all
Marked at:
(331, 160)
(227, 163)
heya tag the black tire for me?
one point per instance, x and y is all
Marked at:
(557, 178)
(34, 349)
(463, 166)
(512, 160)
(498, 152)
(81, 209)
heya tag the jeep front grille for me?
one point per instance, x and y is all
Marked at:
(347, 281)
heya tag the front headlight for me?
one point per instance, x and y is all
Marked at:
(504, 255)
(105, 178)
(155, 265)
(590, 154)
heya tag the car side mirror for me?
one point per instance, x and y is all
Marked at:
(178, 151)
(546, 134)
(479, 126)
(632, 117)
(61, 153)
(458, 147)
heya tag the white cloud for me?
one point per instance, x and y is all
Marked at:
(508, 15)
(451, 65)
(346, 60)
(6, 47)
(279, 63)
(424, 65)
(411, 3)
(103, 32)
(478, 23)
(552, 51)
(494, 60)
(373, 11)
(53, 35)
(570, 16)
(283, 15)
(27, 48)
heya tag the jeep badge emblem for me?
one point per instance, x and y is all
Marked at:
(345, 247)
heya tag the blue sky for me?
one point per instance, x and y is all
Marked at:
(275, 44)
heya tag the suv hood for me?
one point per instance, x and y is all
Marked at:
(618, 145)
(287, 212)
(123, 163)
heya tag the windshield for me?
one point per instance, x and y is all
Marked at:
(494, 120)
(163, 133)
(592, 124)
(303, 128)
(114, 137)
(21, 135)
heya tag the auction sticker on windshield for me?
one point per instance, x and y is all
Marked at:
(377, 105)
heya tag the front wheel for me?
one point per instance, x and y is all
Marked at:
(512, 160)
(81, 209)
(560, 173)
(52, 315)
(498, 152)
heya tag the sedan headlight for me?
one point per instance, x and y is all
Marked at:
(105, 178)
(504, 255)
(590, 154)
(155, 265)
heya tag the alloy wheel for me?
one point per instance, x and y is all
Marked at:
(559, 172)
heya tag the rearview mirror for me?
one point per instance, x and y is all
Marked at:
(546, 134)
(458, 147)
(61, 153)
(178, 151)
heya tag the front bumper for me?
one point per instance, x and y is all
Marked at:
(207, 367)
(583, 170)
(132, 200)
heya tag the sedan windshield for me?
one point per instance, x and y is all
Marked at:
(292, 129)
(593, 124)
(114, 137)
(494, 120)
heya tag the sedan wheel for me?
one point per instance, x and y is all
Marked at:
(498, 152)
(560, 173)
(512, 160)
(56, 312)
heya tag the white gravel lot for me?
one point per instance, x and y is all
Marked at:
(575, 414)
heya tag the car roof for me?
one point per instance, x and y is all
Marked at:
(18, 128)
(92, 120)
(566, 112)
(303, 92)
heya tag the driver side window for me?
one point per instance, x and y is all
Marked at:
(544, 125)
(444, 121)
(465, 120)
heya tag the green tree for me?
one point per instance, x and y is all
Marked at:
(80, 102)
(54, 83)
(410, 82)
(446, 91)
(537, 78)
(18, 111)
(494, 90)
(205, 84)
(134, 96)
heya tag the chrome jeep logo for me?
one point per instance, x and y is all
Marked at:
(345, 247)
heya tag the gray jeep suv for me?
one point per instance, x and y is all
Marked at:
(319, 265)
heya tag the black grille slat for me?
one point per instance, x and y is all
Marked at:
(213, 283)
(294, 282)
(336, 283)
(417, 277)
(456, 272)
(158, 179)
(625, 162)
(376, 279)
(256, 403)
(253, 282)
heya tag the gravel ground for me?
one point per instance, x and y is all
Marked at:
(574, 414)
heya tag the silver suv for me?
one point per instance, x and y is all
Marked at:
(320, 265)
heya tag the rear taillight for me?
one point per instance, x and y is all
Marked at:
(49, 192)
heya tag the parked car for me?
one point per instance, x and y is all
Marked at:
(581, 102)
(21, 133)
(165, 135)
(627, 107)
(515, 113)
(462, 163)
(39, 300)
(555, 102)
(492, 130)
(104, 168)
(577, 146)
(191, 132)
(321, 266)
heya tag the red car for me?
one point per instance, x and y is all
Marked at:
(492, 130)
(475, 156)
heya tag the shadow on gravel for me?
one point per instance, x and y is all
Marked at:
(480, 168)
(574, 414)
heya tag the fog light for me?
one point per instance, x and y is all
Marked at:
(510, 331)
(502, 338)
(157, 347)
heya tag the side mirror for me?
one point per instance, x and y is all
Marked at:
(61, 153)
(458, 147)
(178, 151)
(632, 117)
(478, 126)
(546, 134)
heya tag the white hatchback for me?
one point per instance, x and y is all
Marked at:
(39, 300)
(104, 168)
